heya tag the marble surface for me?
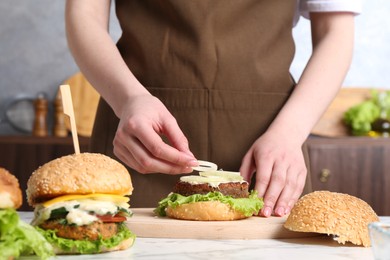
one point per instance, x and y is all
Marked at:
(321, 247)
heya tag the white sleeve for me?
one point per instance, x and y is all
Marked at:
(307, 6)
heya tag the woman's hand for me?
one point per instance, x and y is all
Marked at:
(138, 141)
(280, 172)
(277, 156)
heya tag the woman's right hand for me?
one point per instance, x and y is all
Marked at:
(138, 142)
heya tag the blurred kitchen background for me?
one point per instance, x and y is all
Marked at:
(34, 59)
(34, 56)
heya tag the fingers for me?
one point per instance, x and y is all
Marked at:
(301, 180)
(177, 138)
(270, 182)
(125, 156)
(141, 147)
(286, 184)
(143, 162)
(159, 149)
(247, 167)
(282, 206)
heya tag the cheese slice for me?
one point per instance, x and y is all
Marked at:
(97, 196)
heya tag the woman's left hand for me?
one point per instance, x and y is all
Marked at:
(280, 172)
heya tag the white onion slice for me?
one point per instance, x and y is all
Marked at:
(205, 166)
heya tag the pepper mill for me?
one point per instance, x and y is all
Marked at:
(40, 121)
(59, 129)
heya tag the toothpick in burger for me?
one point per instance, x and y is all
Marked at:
(81, 203)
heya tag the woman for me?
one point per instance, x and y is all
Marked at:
(209, 79)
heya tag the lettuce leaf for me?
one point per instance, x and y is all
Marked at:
(248, 206)
(86, 246)
(19, 238)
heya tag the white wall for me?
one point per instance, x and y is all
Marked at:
(371, 61)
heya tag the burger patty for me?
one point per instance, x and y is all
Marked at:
(88, 232)
(234, 189)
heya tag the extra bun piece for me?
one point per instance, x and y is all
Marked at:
(125, 244)
(342, 215)
(83, 173)
(10, 193)
(204, 211)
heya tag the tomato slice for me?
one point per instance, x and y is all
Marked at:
(110, 218)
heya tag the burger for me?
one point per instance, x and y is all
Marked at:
(341, 215)
(81, 203)
(212, 195)
(17, 237)
(10, 193)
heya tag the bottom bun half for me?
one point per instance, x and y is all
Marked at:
(204, 211)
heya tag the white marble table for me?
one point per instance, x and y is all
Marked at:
(321, 247)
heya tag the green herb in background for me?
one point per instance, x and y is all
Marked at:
(360, 117)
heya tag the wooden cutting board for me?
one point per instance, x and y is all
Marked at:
(144, 223)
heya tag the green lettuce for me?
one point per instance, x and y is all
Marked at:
(86, 246)
(361, 116)
(248, 206)
(19, 238)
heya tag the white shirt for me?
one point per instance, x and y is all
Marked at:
(304, 7)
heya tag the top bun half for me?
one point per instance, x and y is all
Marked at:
(81, 174)
(345, 216)
(10, 193)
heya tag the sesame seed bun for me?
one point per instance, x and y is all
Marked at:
(83, 173)
(10, 193)
(204, 211)
(332, 213)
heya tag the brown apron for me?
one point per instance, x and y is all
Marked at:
(221, 67)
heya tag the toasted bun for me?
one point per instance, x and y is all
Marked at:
(10, 193)
(83, 173)
(204, 211)
(125, 244)
(342, 215)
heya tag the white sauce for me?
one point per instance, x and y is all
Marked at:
(81, 214)
(99, 207)
(80, 218)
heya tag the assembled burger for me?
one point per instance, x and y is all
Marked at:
(213, 195)
(81, 203)
(17, 237)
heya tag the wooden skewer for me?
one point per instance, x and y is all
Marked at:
(68, 110)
